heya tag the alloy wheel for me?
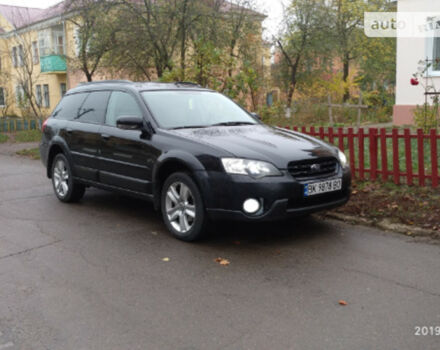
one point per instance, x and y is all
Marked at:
(180, 207)
(61, 178)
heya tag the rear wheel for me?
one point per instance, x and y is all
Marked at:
(65, 188)
(182, 207)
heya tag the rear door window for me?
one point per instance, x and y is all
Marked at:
(94, 107)
(69, 107)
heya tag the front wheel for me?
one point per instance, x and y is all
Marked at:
(182, 207)
(66, 189)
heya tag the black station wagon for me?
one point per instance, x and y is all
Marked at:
(193, 152)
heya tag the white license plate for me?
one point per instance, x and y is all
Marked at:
(322, 187)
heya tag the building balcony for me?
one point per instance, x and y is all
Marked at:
(53, 64)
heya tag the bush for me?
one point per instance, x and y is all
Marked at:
(426, 117)
(271, 114)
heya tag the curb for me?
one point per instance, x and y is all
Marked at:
(385, 224)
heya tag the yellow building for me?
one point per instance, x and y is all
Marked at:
(33, 48)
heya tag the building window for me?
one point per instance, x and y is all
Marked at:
(35, 55)
(63, 89)
(46, 100)
(59, 42)
(19, 95)
(436, 54)
(51, 41)
(2, 97)
(20, 56)
(39, 95)
(14, 56)
(77, 39)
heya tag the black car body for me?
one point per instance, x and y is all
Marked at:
(110, 137)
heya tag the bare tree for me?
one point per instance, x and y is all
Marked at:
(159, 22)
(95, 32)
(24, 73)
(303, 22)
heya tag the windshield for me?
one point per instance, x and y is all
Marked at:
(187, 109)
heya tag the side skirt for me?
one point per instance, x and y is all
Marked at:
(120, 190)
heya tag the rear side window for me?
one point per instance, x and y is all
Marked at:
(121, 104)
(94, 107)
(69, 107)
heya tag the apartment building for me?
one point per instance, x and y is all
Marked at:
(34, 44)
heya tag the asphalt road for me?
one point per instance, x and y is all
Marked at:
(92, 276)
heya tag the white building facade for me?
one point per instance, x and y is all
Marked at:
(410, 51)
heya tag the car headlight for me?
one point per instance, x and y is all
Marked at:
(342, 158)
(254, 168)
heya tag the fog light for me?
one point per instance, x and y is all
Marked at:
(251, 206)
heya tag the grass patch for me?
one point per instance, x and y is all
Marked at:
(27, 136)
(32, 153)
(410, 205)
(3, 138)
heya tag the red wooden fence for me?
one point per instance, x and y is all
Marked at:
(412, 158)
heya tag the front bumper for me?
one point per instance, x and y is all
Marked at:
(282, 197)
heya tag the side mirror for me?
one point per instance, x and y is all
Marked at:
(130, 122)
(255, 115)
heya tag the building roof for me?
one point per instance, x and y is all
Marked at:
(51, 12)
(19, 16)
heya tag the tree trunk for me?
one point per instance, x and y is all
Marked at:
(182, 59)
(346, 63)
(183, 42)
(292, 85)
(89, 76)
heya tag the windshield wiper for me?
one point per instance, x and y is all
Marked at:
(190, 127)
(233, 124)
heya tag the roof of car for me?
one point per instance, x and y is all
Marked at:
(139, 86)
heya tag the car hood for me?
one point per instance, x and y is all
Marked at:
(261, 142)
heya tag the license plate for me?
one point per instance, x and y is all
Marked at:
(322, 187)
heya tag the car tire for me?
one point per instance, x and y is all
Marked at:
(182, 207)
(65, 188)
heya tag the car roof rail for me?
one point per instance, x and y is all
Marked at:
(107, 82)
(187, 83)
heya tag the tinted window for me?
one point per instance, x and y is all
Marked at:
(121, 104)
(69, 106)
(94, 107)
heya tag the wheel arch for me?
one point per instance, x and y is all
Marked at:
(171, 163)
(56, 147)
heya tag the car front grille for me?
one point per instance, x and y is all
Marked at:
(313, 168)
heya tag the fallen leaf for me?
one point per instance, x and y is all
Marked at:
(354, 192)
(154, 233)
(222, 261)
(343, 303)
(166, 259)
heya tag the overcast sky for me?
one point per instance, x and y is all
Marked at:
(272, 8)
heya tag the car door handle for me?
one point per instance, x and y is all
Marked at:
(105, 136)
